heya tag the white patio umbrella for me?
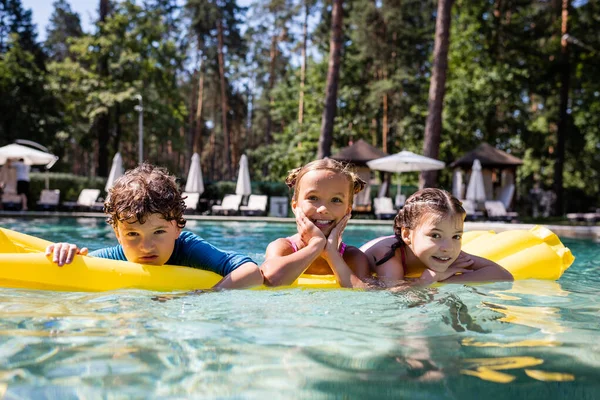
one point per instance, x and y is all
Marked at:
(116, 171)
(243, 181)
(405, 161)
(476, 187)
(30, 157)
(195, 182)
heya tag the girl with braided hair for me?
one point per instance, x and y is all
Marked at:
(427, 245)
(322, 203)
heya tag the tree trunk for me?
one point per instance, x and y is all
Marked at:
(385, 129)
(437, 89)
(189, 140)
(102, 122)
(303, 66)
(563, 124)
(269, 93)
(200, 102)
(333, 74)
(224, 108)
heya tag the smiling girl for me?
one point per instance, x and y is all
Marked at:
(427, 245)
(322, 203)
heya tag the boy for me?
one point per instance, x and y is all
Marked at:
(145, 209)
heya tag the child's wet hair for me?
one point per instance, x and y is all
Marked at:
(426, 203)
(355, 183)
(143, 191)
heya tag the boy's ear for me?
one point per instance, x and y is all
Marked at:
(294, 204)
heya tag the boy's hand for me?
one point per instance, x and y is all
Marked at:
(63, 253)
(307, 230)
(335, 236)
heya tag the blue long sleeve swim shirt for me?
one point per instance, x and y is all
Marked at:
(190, 251)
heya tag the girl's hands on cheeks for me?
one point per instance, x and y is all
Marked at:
(307, 230)
(63, 253)
(335, 236)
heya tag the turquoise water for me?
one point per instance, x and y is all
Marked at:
(533, 339)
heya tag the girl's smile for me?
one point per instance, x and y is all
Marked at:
(436, 242)
(324, 197)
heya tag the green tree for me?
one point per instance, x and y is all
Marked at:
(64, 24)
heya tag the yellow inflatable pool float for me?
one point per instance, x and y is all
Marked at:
(534, 254)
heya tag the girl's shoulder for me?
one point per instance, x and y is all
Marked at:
(282, 246)
(376, 245)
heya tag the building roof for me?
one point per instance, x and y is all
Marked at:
(359, 153)
(489, 156)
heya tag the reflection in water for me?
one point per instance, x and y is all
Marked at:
(546, 319)
(488, 368)
(447, 342)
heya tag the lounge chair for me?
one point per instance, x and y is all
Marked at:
(497, 212)
(229, 205)
(399, 201)
(362, 201)
(384, 208)
(472, 213)
(11, 200)
(86, 200)
(278, 206)
(257, 205)
(191, 201)
(49, 199)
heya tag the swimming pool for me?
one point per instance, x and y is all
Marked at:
(534, 339)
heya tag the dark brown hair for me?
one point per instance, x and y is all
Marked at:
(142, 191)
(424, 203)
(355, 183)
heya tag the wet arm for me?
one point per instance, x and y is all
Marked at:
(282, 266)
(351, 274)
(483, 270)
(245, 276)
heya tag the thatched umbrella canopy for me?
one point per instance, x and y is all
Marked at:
(489, 156)
(359, 153)
(498, 169)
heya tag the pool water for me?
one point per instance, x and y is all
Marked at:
(527, 339)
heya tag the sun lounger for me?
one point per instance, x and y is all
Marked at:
(384, 208)
(49, 199)
(472, 213)
(399, 201)
(191, 201)
(86, 200)
(11, 200)
(257, 205)
(497, 212)
(229, 205)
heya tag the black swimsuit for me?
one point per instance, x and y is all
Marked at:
(392, 253)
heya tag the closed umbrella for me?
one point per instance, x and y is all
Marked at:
(476, 187)
(405, 161)
(457, 184)
(195, 183)
(243, 181)
(116, 171)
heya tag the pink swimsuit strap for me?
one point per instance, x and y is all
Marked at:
(342, 248)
